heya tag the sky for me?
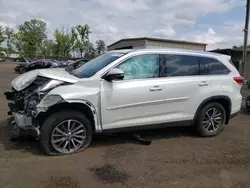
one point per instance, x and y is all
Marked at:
(219, 23)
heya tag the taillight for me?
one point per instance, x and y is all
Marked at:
(239, 80)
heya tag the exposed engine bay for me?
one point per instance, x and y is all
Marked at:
(22, 104)
(25, 100)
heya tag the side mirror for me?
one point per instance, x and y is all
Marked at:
(114, 74)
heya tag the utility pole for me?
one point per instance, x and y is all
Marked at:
(244, 58)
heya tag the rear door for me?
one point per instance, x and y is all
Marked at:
(184, 87)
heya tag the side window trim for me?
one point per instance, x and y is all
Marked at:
(199, 61)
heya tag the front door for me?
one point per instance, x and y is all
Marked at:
(134, 100)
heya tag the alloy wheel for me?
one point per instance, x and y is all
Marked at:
(68, 136)
(212, 119)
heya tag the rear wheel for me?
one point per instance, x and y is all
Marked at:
(247, 102)
(22, 70)
(211, 119)
(65, 133)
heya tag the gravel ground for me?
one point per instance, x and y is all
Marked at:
(176, 158)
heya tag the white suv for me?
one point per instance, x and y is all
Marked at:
(126, 90)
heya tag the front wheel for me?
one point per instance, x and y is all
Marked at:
(65, 133)
(211, 119)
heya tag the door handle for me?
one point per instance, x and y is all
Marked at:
(155, 88)
(203, 83)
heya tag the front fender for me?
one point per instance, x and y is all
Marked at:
(80, 92)
(76, 93)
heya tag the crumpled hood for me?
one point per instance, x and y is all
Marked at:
(24, 80)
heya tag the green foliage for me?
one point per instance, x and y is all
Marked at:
(82, 38)
(29, 37)
(8, 32)
(46, 48)
(90, 51)
(1, 39)
(240, 47)
(30, 40)
(100, 47)
(64, 42)
(17, 42)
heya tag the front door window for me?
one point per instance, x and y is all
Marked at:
(140, 67)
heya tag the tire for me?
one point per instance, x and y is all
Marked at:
(59, 119)
(16, 70)
(205, 129)
(247, 102)
(21, 70)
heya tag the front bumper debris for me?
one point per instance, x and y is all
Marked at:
(22, 103)
(22, 121)
(23, 126)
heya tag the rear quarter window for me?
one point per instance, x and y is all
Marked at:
(211, 66)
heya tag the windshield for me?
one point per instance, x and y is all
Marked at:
(91, 67)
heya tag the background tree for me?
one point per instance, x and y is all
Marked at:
(240, 47)
(47, 48)
(29, 37)
(82, 38)
(100, 47)
(64, 42)
(30, 40)
(17, 42)
(90, 51)
(9, 32)
(1, 39)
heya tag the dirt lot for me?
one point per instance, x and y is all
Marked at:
(176, 158)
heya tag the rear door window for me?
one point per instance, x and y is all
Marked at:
(210, 66)
(178, 65)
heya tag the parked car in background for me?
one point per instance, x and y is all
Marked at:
(126, 90)
(40, 64)
(75, 64)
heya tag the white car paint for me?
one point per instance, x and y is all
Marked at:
(24, 80)
(128, 103)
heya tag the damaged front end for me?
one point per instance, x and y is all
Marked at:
(23, 105)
